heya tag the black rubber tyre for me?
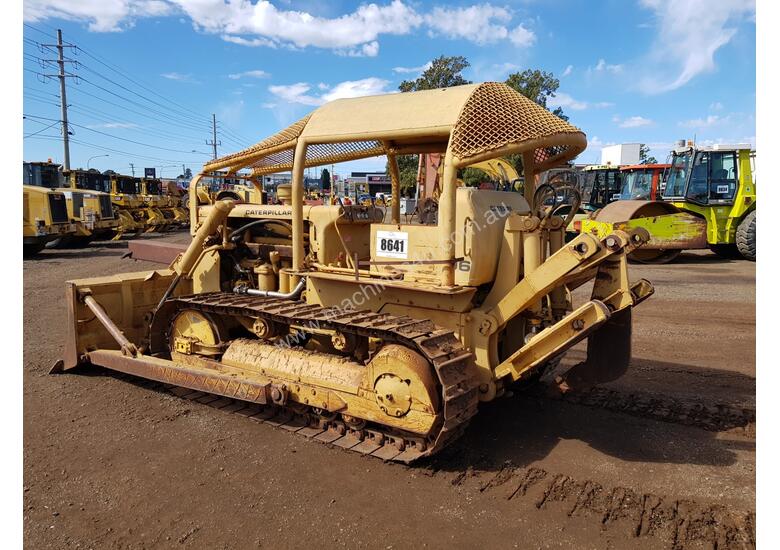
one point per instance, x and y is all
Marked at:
(727, 251)
(653, 256)
(746, 237)
(71, 241)
(32, 249)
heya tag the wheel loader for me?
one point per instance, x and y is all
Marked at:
(709, 201)
(88, 205)
(44, 218)
(381, 338)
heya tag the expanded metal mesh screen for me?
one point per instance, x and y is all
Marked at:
(495, 115)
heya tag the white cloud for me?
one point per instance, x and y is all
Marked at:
(716, 106)
(261, 23)
(522, 37)
(370, 49)
(120, 125)
(300, 91)
(481, 24)
(567, 71)
(689, 34)
(603, 66)
(357, 88)
(251, 42)
(323, 86)
(256, 73)
(103, 16)
(633, 122)
(268, 105)
(566, 101)
(409, 70)
(177, 76)
(707, 122)
(295, 93)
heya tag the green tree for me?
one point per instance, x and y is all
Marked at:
(443, 73)
(472, 177)
(407, 173)
(644, 155)
(325, 178)
(537, 86)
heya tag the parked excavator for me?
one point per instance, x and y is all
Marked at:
(709, 201)
(381, 338)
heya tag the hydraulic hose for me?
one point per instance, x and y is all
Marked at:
(294, 293)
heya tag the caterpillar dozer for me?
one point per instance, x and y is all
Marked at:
(159, 215)
(382, 338)
(709, 201)
(171, 200)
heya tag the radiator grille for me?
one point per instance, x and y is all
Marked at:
(78, 202)
(106, 209)
(58, 208)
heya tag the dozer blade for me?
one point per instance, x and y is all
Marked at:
(609, 353)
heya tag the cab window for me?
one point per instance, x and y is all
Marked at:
(698, 188)
(723, 174)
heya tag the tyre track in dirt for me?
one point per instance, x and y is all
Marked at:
(707, 415)
(676, 523)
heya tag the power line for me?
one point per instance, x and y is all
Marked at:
(42, 129)
(39, 30)
(115, 137)
(183, 116)
(133, 102)
(134, 111)
(129, 154)
(174, 115)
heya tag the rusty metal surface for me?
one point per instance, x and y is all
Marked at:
(622, 211)
(452, 364)
(162, 252)
(669, 227)
(168, 372)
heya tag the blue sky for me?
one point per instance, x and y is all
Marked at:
(650, 71)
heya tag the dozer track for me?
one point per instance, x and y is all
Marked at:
(440, 347)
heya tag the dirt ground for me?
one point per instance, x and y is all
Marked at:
(662, 458)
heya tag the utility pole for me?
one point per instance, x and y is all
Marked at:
(214, 141)
(132, 168)
(63, 103)
(62, 75)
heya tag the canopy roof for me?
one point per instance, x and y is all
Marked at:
(478, 121)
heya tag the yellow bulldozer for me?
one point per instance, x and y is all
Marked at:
(129, 207)
(382, 338)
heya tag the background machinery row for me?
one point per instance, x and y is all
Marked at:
(71, 209)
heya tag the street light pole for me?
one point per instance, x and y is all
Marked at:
(96, 156)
